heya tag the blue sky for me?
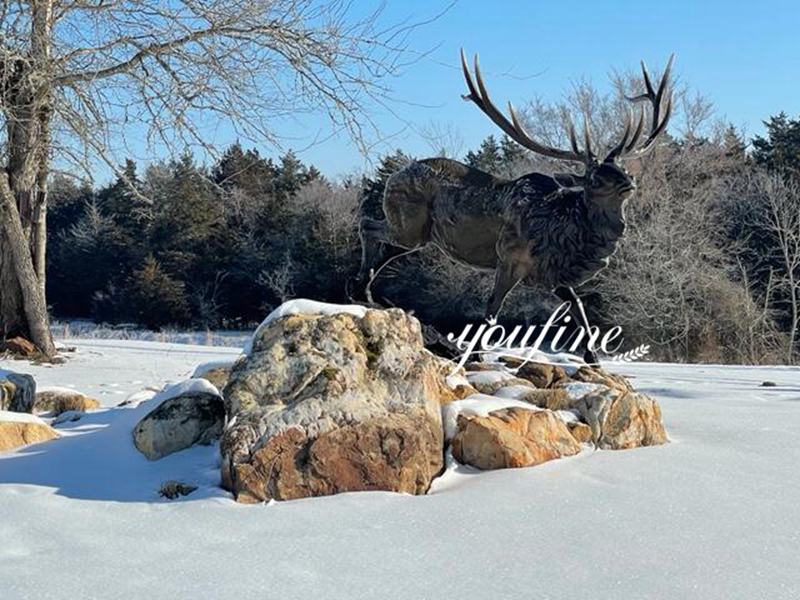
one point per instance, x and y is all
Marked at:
(743, 56)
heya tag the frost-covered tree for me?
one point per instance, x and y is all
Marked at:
(77, 76)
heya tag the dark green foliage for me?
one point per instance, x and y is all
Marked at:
(780, 149)
(154, 298)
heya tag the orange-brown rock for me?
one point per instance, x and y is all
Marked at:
(19, 346)
(386, 453)
(331, 403)
(580, 431)
(541, 375)
(633, 420)
(60, 401)
(618, 416)
(552, 399)
(512, 437)
(16, 433)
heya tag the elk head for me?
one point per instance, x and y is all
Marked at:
(605, 181)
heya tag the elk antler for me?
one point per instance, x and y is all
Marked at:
(658, 122)
(514, 128)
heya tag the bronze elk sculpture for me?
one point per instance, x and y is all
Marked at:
(555, 232)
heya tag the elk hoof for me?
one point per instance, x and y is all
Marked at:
(590, 358)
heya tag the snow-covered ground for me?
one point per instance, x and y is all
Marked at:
(714, 514)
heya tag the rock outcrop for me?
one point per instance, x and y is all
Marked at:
(20, 429)
(17, 392)
(336, 402)
(186, 414)
(512, 437)
(57, 401)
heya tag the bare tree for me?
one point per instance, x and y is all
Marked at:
(78, 76)
(767, 205)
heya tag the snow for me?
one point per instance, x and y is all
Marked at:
(302, 306)
(713, 515)
(15, 417)
(190, 386)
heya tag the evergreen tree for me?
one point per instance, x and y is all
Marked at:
(780, 149)
(511, 152)
(155, 298)
(488, 157)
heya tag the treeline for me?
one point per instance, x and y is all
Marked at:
(180, 244)
(709, 269)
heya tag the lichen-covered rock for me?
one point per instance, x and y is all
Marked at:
(333, 403)
(187, 413)
(59, 401)
(619, 417)
(20, 429)
(512, 437)
(17, 392)
(217, 372)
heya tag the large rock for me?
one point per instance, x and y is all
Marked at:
(619, 417)
(17, 392)
(59, 401)
(19, 429)
(512, 437)
(188, 413)
(334, 403)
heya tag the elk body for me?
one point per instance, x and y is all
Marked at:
(552, 232)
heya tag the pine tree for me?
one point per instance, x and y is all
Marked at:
(488, 156)
(155, 298)
(780, 149)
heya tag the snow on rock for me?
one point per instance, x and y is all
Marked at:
(23, 429)
(488, 377)
(476, 405)
(187, 413)
(578, 389)
(302, 306)
(213, 365)
(8, 416)
(194, 385)
(569, 362)
(513, 392)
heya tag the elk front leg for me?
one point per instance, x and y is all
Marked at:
(567, 294)
(506, 278)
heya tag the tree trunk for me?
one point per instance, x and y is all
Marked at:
(31, 319)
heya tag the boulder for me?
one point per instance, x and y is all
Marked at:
(20, 429)
(186, 414)
(59, 401)
(19, 346)
(336, 402)
(17, 392)
(512, 437)
(619, 417)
